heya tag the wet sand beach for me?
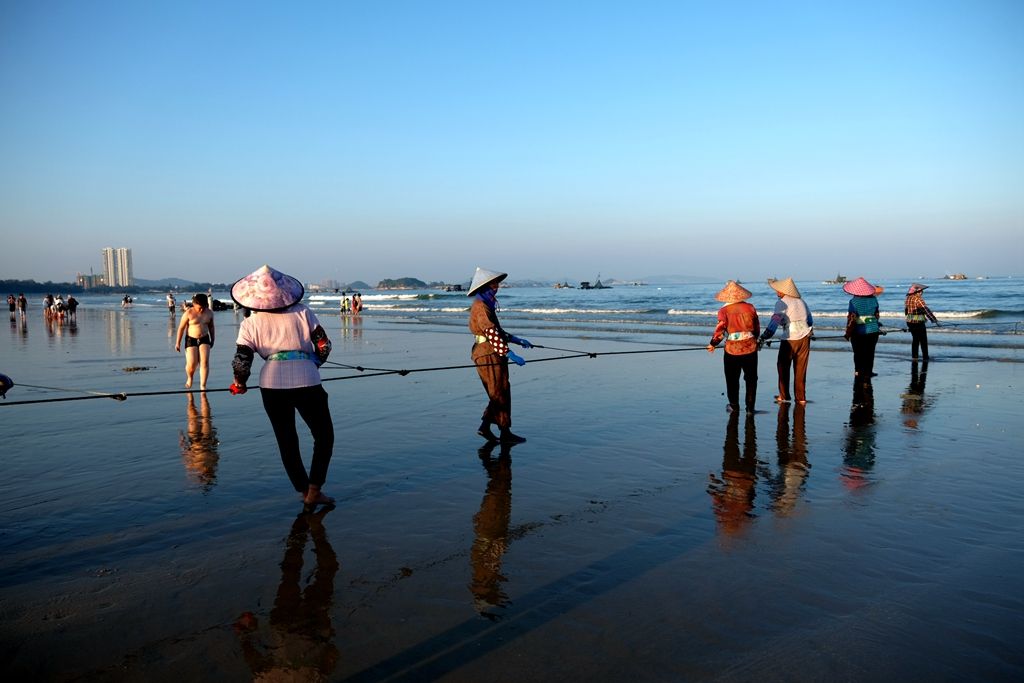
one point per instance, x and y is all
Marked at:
(640, 533)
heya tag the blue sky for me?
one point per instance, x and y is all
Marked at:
(547, 139)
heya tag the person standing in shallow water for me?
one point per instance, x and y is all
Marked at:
(491, 355)
(291, 341)
(863, 326)
(739, 326)
(916, 312)
(794, 319)
(198, 330)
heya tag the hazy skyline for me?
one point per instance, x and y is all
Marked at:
(551, 140)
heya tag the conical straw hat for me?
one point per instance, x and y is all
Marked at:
(483, 277)
(917, 287)
(733, 292)
(859, 287)
(787, 287)
(267, 289)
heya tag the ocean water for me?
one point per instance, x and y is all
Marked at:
(640, 533)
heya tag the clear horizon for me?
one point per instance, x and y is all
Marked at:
(550, 141)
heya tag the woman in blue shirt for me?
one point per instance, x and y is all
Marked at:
(862, 326)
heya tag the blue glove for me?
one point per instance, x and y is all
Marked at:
(525, 343)
(518, 360)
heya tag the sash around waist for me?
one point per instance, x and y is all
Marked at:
(739, 336)
(290, 355)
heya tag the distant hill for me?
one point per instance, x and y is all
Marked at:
(402, 283)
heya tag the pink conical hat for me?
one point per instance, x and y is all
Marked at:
(267, 289)
(733, 292)
(859, 287)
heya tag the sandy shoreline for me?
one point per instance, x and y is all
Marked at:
(636, 534)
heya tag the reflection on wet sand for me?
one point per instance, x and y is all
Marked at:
(732, 495)
(859, 447)
(914, 402)
(199, 444)
(490, 528)
(298, 642)
(351, 327)
(792, 453)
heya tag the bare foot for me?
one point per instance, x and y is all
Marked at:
(188, 383)
(316, 497)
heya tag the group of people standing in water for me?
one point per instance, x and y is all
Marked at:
(739, 326)
(289, 338)
(53, 307)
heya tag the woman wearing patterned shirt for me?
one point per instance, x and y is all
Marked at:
(739, 326)
(916, 313)
(491, 355)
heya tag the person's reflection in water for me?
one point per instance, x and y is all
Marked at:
(859, 449)
(490, 528)
(793, 465)
(732, 495)
(913, 400)
(199, 444)
(298, 643)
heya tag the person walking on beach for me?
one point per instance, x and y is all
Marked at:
(12, 304)
(916, 312)
(357, 303)
(289, 338)
(862, 326)
(739, 326)
(794, 318)
(171, 303)
(491, 355)
(22, 304)
(199, 332)
(72, 307)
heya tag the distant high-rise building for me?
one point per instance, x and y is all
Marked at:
(117, 266)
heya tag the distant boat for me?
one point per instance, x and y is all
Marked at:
(955, 276)
(597, 284)
(563, 285)
(839, 280)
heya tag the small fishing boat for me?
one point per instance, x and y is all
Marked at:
(838, 280)
(597, 284)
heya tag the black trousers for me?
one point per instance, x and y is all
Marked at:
(311, 405)
(864, 354)
(734, 365)
(920, 339)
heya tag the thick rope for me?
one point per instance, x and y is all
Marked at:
(374, 372)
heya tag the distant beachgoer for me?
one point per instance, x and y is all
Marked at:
(72, 306)
(12, 303)
(199, 332)
(863, 326)
(22, 303)
(739, 326)
(491, 355)
(171, 303)
(126, 301)
(345, 305)
(794, 318)
(917, 312)
(288, 336)
(357, 303)
(48, 305)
